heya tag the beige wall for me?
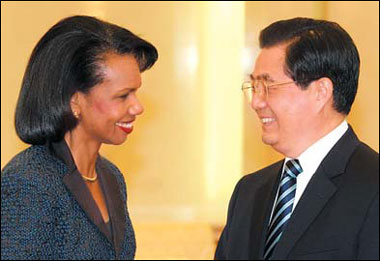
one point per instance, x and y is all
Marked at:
(196, 137)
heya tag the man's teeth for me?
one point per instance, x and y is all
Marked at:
(267, 120)
(124, 125)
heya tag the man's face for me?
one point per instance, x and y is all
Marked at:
(286, 112)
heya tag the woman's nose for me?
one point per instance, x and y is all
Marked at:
(136, 108)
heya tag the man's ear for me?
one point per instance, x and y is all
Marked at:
(323, 92)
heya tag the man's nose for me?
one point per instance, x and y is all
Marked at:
(259, 99)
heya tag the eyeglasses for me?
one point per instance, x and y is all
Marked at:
(257, 87)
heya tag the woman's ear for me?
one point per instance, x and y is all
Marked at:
(74, 104)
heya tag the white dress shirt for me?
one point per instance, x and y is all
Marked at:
(312, 157)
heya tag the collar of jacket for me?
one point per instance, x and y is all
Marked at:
(318, 192)
(78, 188)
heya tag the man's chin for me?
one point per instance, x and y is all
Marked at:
(268, 139)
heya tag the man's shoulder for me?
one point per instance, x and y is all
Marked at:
(367, 154)
(359, 152)
(364, 164)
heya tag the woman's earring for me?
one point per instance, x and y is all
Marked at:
(76, 114)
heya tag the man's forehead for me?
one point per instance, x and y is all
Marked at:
(269, 61)
(272, 53)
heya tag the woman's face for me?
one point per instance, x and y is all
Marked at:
(107, 112)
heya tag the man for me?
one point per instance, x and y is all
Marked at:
(322, 200)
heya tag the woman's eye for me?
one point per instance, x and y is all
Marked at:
(124, 96)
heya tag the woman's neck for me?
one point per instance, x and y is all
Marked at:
(84, 152)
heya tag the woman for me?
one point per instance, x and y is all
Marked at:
(59, 198)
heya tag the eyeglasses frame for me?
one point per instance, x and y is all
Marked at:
(266, 85)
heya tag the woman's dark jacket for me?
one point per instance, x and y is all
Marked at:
(47, 211)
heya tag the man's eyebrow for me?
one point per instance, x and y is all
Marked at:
(263, 76)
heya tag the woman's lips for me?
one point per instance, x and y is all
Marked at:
(127, 127)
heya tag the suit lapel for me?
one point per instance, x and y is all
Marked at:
(259, 195)
(270, 191)
(115, 204)
(81, 193)
(77, 187)
(317, 193)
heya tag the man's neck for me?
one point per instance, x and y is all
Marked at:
(324, 127)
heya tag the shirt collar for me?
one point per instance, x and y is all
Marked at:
(312, 157)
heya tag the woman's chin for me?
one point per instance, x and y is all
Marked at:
(116, 141)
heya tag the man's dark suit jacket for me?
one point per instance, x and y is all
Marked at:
(47, 211)
(337, 216)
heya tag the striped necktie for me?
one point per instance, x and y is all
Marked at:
(284, 205)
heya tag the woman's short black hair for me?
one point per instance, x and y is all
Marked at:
(67, 59)
(317, 49)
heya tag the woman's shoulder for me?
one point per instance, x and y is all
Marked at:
(31, 165)
(26, 159)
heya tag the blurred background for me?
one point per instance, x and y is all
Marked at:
(197, 137)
